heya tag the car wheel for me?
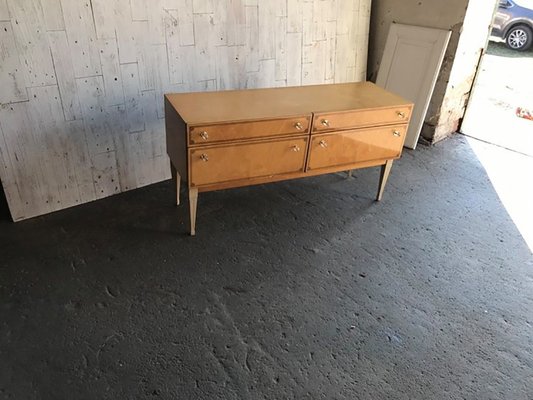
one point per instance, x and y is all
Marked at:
(519, 38)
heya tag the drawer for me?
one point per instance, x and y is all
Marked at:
(362, 118)
(219, 164)
(350, 147)
(248, 130)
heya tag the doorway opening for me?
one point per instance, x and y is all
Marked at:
(500, 108)
(498, 121)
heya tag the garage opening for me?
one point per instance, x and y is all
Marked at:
(499, 117)
(500, 110)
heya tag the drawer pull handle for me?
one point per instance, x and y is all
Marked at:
(401, 114)
(204, 135)
(298, 126)
(204, 157)
(296, 148)
(325, 122)
(397, 133)
(323, 143)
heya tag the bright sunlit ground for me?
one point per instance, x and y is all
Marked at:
(511, 175)
(505, 145)
(505, 82)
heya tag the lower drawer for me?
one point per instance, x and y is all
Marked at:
(210, 165)
(349, 147)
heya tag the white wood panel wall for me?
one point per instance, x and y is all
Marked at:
(82, 81)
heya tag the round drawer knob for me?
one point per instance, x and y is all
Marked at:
(397, 133)
(296, 148)
(323, 143)
(204, 135)
(204, 157)
(401, 114)
(298, 126)
(325, 122)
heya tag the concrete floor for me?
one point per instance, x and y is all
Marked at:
(298, 290)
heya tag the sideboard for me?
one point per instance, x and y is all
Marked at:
(228, 139)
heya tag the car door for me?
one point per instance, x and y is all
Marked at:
(501, 17)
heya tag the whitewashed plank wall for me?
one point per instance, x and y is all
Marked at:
(82, 81)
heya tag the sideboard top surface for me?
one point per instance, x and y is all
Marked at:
(240, 105)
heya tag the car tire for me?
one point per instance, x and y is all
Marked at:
(519, 38)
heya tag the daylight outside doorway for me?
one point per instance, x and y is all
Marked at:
(499, 129)
(502, 99)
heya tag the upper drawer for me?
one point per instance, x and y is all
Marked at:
(361, 118)
(248, 130)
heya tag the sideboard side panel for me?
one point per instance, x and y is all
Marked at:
(176, 134)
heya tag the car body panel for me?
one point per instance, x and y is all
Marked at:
(510, 14)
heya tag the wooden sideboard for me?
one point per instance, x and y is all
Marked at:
(221, 140)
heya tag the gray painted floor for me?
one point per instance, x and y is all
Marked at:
(298, 290)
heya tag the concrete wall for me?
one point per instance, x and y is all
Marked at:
(82, 82)
(469, 33)
(449, 108)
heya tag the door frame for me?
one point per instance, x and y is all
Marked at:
(476, 75)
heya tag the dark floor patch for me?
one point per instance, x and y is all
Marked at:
(296, 290)
(4, 209)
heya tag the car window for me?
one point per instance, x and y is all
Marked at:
(525, 3)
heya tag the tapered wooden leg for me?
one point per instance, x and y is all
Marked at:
(176, 178)
(193, 203)
(178, 187)
(349, 174)
(385, 171)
